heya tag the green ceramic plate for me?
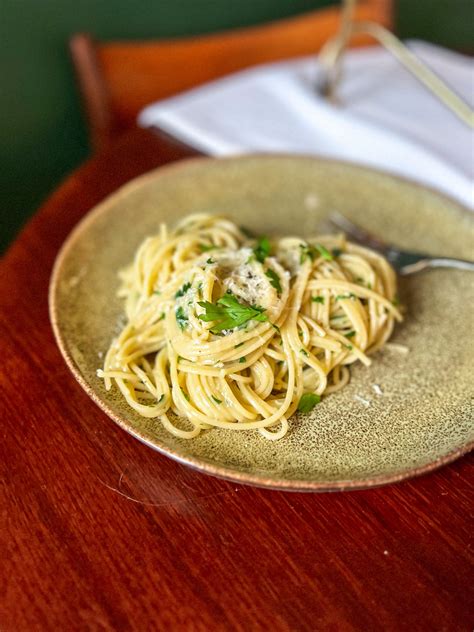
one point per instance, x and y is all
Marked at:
(424, 417)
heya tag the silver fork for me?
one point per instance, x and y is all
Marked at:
(403, 261)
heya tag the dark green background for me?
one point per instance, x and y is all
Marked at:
(42, 135)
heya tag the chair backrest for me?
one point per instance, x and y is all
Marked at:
(117, 79)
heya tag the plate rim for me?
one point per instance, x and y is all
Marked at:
(221, 471)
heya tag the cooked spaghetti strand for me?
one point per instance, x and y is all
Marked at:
(226, 332)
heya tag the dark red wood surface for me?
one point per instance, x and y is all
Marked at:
(98, 532)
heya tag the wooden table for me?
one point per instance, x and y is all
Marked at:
(101, 533)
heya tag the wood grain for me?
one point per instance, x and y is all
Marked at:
(101, 533)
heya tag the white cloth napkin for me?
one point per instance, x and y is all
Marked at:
(387, 119)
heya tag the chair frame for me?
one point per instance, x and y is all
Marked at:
(102, 69)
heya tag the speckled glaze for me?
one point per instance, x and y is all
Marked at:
(425, 415)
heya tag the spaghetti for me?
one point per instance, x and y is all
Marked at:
(231, 332)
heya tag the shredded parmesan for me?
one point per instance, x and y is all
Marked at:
(362, 400)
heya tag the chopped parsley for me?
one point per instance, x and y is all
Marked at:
(336, 252)
(186, 396)
(218, 401)
(162, 316)
(304, 352)
(242, 360)
(310, 252)
(274, 280)
(161, 398)
(210, 260)
(341, 297)
(182, 291)
(350, 334)
(181, 318)
(206, 247)
(324, 252)
(361, 281)
(308, 401)
(305, 253)
(239, 345)
(318, 299)
(275, 327)
(350, 347)
(228, 313)
(262, 249)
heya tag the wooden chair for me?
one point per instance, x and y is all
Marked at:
(117, 79)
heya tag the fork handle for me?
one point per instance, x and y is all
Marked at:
(436, 262)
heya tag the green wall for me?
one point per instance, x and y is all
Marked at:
(42, 135)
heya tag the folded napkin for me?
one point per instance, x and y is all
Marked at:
(386, 119)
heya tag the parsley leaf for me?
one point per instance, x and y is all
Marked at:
(324, 252)
(181, 318)
(218, 401)
(186, 396)
(207, 247)
(304, 352)
(340, 297)
(309, 252)
(210, 260)
(262, 249)
(274, 280)
(243, 359)
(306, 253)
(182, 291)
(308, 401)
(228, 313)
(336, 252)
(318, 299)
(350, 334)
(161, 398)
